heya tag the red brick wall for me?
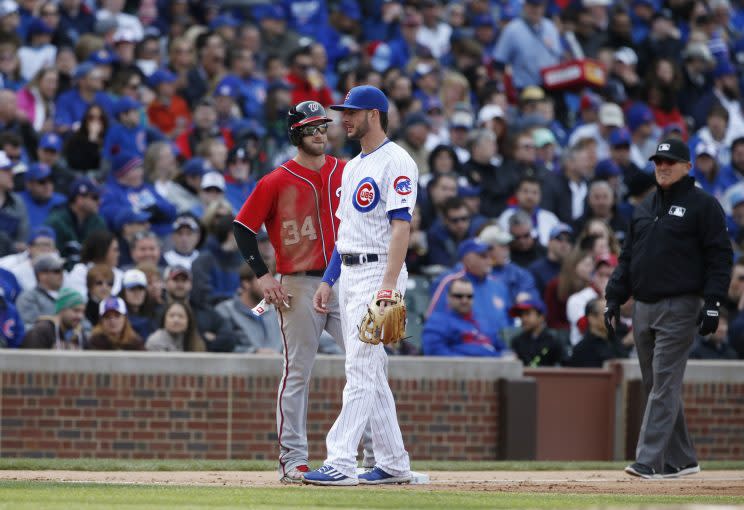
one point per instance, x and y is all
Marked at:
(715, 419)
(218, 417)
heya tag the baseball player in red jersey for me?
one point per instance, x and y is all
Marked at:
(296, 202)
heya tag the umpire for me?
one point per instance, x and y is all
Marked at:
(676, 257)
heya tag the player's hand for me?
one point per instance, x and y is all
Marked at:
(708, 317)
(612, 313)
(273, 291)
(322, 297)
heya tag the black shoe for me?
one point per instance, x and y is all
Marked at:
(674, 472)
(642, 470)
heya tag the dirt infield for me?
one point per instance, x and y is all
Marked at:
(720, 483)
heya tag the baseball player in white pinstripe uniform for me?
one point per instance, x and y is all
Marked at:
(378, 192)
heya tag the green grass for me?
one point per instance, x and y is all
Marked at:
(54, 496)
(270, 465)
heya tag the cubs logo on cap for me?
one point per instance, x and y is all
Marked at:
(366, 196)
(402, 185)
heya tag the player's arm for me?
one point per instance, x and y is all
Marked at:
(331, 274)
(400, 232)
(273, 291)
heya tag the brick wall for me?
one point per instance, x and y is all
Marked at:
(60, 413)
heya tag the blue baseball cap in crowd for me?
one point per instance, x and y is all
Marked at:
(262, 12)
(83, 186)
(37, 26)
(128, 216)
(363, 97)
(159, 77)
(350, 9)
(606, 169)
(471, 245)
(638, 115)
(229, 86)
(529, 304)
(51, 141)
(112, 304)
(38, 172)
(42, 231)
(468, 191)
(102, 58)
(124, 162)
(482, 20)
(83, 70)
(223, 20)
(561, 229)
(619, 137)
(196, 166)
(126, 104)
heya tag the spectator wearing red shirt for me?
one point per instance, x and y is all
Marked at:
(205, 127)
(308, 83)
(169, 112)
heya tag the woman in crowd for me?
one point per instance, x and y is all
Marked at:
(114, 331)
(177, 331)
(101, 247)
(83, 149)
(605, 241)
(36, 99)
(134, 294)
(100, 281)
(576, 273)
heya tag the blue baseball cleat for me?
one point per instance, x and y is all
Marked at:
(377, 476)
(328, 475)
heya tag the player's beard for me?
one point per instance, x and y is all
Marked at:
(309, 148)
(361, 130)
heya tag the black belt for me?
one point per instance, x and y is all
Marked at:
(354, 259)
(315, 272)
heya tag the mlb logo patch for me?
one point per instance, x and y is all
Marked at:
(677, 211)
(663, 147)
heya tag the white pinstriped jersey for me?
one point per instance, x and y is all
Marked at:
(373, 184)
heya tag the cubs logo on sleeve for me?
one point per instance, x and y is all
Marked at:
(366, 196)
(402, 185)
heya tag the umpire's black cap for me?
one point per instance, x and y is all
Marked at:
(672, 149)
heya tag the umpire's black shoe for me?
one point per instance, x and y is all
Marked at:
(675, 472)
(641, 470)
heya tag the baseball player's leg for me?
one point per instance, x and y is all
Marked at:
(301, 328)
(334, 327)
(674, 323)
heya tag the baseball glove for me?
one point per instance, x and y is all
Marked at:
(384, 325)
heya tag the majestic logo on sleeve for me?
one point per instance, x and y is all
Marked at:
(366, 196)
(402, 185)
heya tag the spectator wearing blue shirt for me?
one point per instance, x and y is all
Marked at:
(75, 19)
(405, 47)
(242, 65)
(454, 331)
(226, 96)
(518, 281)
(72, 105)
(708, 174)
(455, 225)
(127, 134)
(308, 18)
(491, 299)
(528, 44)
(9, 285)
(39, 195)
(11, 325)
(126, 189)
(239, 182)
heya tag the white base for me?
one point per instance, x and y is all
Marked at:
(416, 477)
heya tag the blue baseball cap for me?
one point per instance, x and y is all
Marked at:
(51, 141)
(468, 191)
(124, 162)
(102, 58)
(196, 166)
(229, 86)
(606, 168)
(83, 186)
(112, 304)
(638, 115)
(529, 304)
(161, 76)
(560, 229)
(620, 136)
(126, 104)
(482, 20)
(129, 216)
(37, 26)
(83, 70)
(38, 172)
(223, 20)
(42, 231)
(262, 12)
(363, 97)
(350, 9)
(471, 245)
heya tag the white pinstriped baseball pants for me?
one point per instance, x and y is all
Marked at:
(367, 396)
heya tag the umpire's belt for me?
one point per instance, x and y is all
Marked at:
(354, 259)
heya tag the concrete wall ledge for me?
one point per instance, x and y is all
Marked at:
(168, 363)
(697, 371)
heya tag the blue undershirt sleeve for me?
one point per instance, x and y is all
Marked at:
(333, 271)
(399, 214)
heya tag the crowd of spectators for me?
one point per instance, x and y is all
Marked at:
(132, 131)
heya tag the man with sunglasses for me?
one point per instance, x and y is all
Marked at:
(39, 195)
(297, 203)
(676, 264)
(454, 331)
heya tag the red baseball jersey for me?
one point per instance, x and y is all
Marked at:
(298, 207)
